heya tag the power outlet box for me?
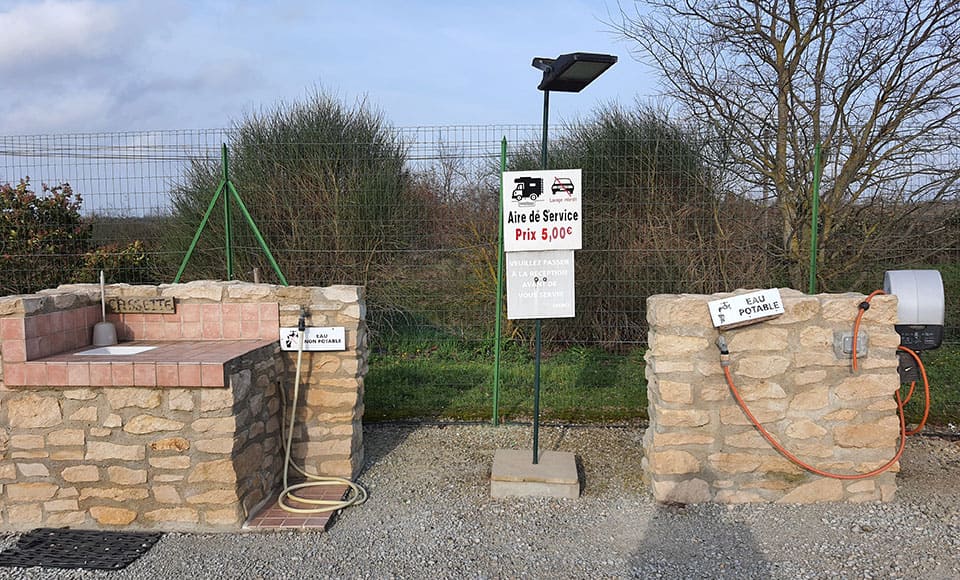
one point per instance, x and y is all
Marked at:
(843, 345)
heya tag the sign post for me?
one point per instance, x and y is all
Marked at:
(542, 225)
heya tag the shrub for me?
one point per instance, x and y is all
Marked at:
(44, 236)
(326, 186)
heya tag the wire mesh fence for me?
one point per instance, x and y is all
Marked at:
(412, 214)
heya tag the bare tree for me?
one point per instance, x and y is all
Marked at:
(876, 82)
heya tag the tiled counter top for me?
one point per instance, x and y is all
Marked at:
(182, 363)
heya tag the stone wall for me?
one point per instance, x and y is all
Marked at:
(701, 447)
(176, 458)
(144, 458)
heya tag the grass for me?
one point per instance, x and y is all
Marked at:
(454, 380)
(449, 379)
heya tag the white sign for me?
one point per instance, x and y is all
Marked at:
(540, 284)
(746, 308)
(315, 338)
(542, 210)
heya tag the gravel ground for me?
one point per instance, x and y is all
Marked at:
(430, 515)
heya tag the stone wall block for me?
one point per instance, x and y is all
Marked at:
(867, 386)
(216, 399)
(33, 411)
(764, 412)
(131, 397)
(810, 400)
(217, 471)
(125, 476)
(734, 462)
(675, 346)
(693, 490)
(674, 462)
(674, 391)
(180, 400)
(816, 337)
(882, 433)
(30, 492)
(146, 424)
(820, 490)
(804, 429)
(683, 438)
(104, 451)
(750, 339)
(80, 473)
(683, 418)
(177, 444)
(761, 367)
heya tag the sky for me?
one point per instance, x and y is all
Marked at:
(73, 66)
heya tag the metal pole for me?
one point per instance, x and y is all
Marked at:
(499, 316)
(815, 220)
(226, 214)
(537, 343)
(256, 233)
(196, 236)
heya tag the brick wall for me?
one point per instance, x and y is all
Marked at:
(701, 447)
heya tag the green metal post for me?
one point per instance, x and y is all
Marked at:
(815, 220)
(228, 242)
(498, 326)
(256, 233)
(228, 191)
(537, 343)
(196, 236)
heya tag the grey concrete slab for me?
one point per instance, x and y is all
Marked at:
(515, 475)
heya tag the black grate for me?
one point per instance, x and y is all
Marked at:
(63, 548)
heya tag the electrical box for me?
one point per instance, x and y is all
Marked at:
(920, 306)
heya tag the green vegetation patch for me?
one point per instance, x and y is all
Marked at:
(448, 379)
(454, 380)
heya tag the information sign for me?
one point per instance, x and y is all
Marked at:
(315, 338)
(542, 210)
(746, 309)
(540, 284)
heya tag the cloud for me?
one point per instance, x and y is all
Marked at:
(36, 34)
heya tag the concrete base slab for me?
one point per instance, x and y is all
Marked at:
(515, 475)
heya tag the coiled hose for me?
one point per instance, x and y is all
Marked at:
(356, 494)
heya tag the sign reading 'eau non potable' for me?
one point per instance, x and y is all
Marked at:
(542, 210)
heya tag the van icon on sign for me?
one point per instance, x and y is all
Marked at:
(562, 184)
(527, 188)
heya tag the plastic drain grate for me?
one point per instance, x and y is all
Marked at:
(63, 548)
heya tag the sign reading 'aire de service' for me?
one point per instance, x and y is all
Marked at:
(542, 210)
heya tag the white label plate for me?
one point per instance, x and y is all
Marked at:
(745, 308)
(540, 284)
(315, 338)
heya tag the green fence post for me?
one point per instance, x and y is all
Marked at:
(228, 237)
(815, 220)
(196, 236)
(499, 319)
(256, 233)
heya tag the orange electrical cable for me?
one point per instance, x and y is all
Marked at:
(856, 325)
(799, 462)
(926, 390)
(900, 408)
